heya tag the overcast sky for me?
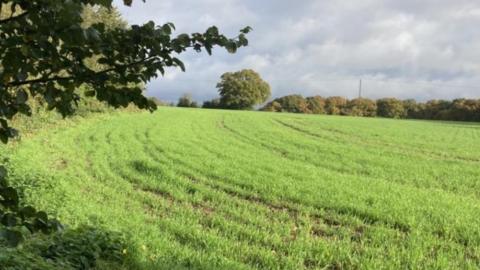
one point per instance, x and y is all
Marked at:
(407, 49)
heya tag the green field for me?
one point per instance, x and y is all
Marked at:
(212, 189)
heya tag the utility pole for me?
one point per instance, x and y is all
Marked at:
(360, 89)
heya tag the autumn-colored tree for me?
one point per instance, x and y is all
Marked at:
(335, 105)
(316, 104)
(413, 109)
(456, 110)
(437, 109)
(361, 107)
(465, 110)
(290, 103)
(273, 106)
(391, 108)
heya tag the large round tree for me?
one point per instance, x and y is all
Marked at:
(242, 90)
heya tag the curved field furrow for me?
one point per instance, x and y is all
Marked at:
(206, 189)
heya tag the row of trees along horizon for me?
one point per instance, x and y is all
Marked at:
(244, 89)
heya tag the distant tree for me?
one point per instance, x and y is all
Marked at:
(437, 109)
(361, 107)
(187, 101)
(335, 105)
(465, 110)
(160, 102)
(290, 103)
(293, 103)
(272, 106)
(413, 110)
(242, 90)
(316, 104)
(212, 104)
(391, 108)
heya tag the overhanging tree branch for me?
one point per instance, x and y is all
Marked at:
(67, 78)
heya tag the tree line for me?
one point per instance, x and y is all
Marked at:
(455, 110)
(244, 89)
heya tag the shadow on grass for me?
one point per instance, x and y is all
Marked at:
(86, 248)
(83, 248)
(143, 168)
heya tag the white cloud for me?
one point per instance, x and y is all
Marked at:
(409, 48)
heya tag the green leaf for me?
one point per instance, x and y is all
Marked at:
(28, 212)
(246, 30)
(231, 47)
(92, 34)
(167, 28)
(3, 172)
(3, 123)
(179, 63)
(9, 195)
(21, 76)
(12, 237)
(42, 216)
(22, 96)
(9, 220)
(25, 50)
(90, 93)
(3, 136)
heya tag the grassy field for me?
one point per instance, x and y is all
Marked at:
(208, 189)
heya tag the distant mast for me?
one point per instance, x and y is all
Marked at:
(360, 89)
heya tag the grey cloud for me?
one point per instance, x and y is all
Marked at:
(408, 49)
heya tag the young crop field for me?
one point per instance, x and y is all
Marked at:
(213, 189)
